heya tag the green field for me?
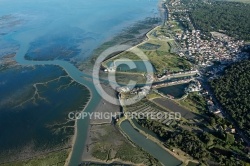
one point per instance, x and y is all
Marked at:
(124, 78)
(194, 102)
(159, 49)
(161, 61)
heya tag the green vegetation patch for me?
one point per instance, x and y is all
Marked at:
(161, 60)
(159, 49)
(149, 46)
(125, 78)
(113, 146)
(232, 18)
(232, 90)
(55, 158)
(194, 102)
(153, 95)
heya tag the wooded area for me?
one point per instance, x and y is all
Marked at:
(233, 91)
(232, 18)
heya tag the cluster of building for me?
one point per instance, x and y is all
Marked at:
(110, 69)
(141, 91)
(227, 129)
(179, 74)
(124, 89)
(194, 86)
(175, 6)
(149, 77)
(199, 48)
(212, 107)
(177, 11)
(220, 48)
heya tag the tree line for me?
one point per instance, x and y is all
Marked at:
(231, 18)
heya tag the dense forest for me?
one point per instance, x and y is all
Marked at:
(232, 18)
(202, 146)
(183, 139)
(233, 91)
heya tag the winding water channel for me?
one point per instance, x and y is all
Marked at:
(78, 76)
(82, 125)
(151, 147)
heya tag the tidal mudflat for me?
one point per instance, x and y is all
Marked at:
(35, 102)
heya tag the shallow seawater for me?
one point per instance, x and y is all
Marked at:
(53, 30)
(34, 108)
(62, 29)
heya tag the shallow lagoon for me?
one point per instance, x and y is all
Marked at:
(78, 26)
(177, 91)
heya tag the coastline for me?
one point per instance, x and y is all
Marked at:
(98, 108)
(163, 11)
(69, 69)
(82, 130)
(146, 38)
